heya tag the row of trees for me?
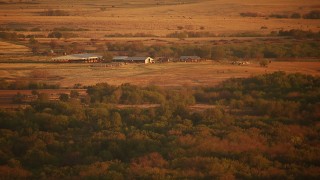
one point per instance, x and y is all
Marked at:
(257, 128)
(314, 14)
(289, 48)
(26, 84)
(254, 50)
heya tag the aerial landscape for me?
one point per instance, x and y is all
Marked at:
(159, 89)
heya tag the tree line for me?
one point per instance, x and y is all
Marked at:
(259, 127)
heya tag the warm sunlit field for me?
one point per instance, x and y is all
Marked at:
(248, 110)
(169, 74)
(158, 16)
(99, 19)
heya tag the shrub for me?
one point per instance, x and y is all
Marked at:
(52, 12)
(10, 36)
(264, 63)
(190, 34)
(278, 16)
(74, 94)
(18, 98)
(55, 34)
(297, 33)
(107, 57)
(295, 16)
(64, 97)
(312, 15)
(249, 14)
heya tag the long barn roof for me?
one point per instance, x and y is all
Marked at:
(137, 58)
(78, 57)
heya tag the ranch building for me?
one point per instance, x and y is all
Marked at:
(79, 58)
(119, 58)
(125, 59)
(190, 59)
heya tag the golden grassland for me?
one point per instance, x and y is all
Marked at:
(158, 16)
(169, 74)
(10, 48)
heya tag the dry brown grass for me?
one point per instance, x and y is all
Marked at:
(171, 74)
(219, 16)
(10, 48)
(158, 17)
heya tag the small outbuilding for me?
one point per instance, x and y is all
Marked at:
(79, 58)
(190, 58)
(126, 59)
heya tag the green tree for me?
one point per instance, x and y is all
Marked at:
(264, 63)
(116, 121)
(64, 97)
(107, 57)
(217, 53)
(74, 94)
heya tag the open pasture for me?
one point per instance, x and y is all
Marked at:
(157, 17)
(167, 74)
(10, 48)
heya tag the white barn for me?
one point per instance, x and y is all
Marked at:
(80, 58)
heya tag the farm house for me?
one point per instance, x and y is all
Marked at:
(126, 59)
(79, 58)
(190, 58)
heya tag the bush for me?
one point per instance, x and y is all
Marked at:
(264, 63)
(64, 97)
(74, 94)
(297, 33)
(52, 12)
(10, 36)
(312, 15)
(249, 14)
(180, 35)
(278, 16)
(55, 34)
(190, 34)
(295, 16)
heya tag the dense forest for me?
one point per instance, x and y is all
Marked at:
(263, 127)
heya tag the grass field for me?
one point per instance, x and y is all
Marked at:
(169, 74)
(159, 17)
(155, 17)
(10, 48)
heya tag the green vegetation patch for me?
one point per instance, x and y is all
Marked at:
(259, 127)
